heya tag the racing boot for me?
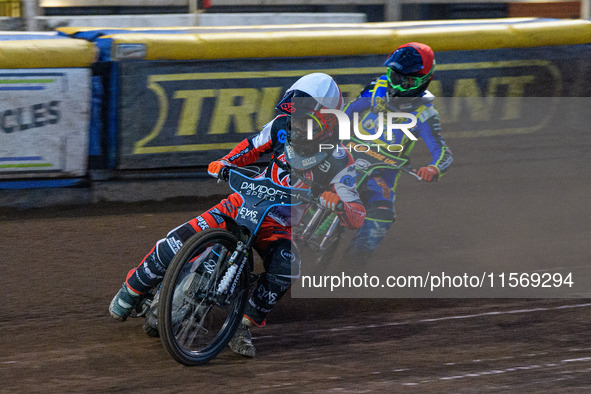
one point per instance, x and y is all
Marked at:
(124, 303)
(241, 343)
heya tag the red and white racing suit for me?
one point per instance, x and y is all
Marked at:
(336, 172)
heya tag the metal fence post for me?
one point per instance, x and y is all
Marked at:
(392, 10)
(31, 11)
(193, 6)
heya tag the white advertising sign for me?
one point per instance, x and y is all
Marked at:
(44, 122)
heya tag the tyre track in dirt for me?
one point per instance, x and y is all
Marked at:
(515, 210)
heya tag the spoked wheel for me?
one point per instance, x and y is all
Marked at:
(195, 321)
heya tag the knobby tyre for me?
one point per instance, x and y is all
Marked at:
(195, 322)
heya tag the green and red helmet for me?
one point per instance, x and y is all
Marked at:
(410, 69)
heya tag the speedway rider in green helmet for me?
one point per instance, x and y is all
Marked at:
(410, 69)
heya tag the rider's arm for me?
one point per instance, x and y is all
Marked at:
(250, 149)
(343, 185)
(430, 132)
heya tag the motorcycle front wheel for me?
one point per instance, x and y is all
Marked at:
(196, 322)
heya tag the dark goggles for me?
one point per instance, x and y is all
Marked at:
(299, 125)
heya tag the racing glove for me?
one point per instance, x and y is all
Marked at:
(428, 173)
(329, 200)
(215, 166)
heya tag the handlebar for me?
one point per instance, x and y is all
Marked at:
(340, 208)
(224, 175)
(381, 166)
(411, 171)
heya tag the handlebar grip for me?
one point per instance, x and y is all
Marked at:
(224, 173)
(412, 171)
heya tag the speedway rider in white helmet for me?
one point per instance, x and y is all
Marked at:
(296, 161)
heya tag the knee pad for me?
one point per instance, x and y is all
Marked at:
(281, 260)
(179, 235)
(166, 248)
(152, 269)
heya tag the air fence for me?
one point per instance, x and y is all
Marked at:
(81, 101)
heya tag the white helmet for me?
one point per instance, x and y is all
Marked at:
(302, 102)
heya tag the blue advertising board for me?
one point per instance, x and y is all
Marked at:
(178, 114)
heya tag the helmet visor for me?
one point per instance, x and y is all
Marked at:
(310, 124)
(306, 130)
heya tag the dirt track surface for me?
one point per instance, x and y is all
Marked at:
(508, 203)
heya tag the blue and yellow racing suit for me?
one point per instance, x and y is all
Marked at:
(378, 191)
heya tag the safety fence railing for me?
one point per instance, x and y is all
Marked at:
(392, 9)
(88, 102)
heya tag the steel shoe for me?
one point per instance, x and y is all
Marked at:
(123, 303)
(241, 343)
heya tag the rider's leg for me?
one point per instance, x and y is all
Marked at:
(149, 273)
(282, 266)
(378, 220)
(378, 197)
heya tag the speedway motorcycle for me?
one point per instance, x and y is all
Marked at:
(201, 300)
(320, 231)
